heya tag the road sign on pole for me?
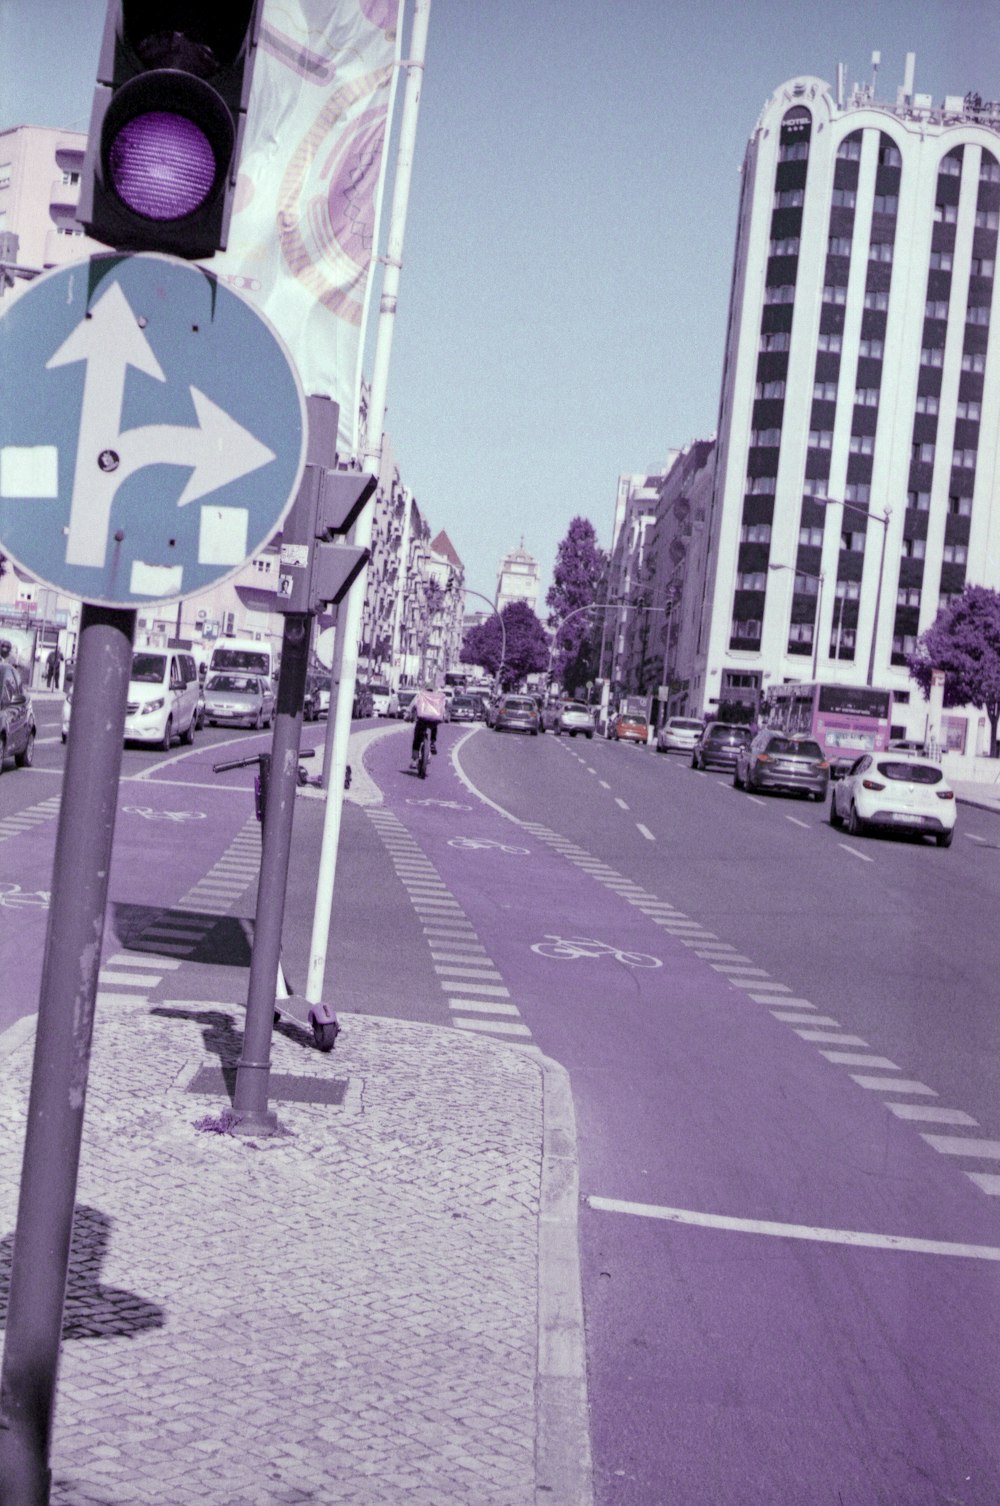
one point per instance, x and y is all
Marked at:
(159, 434)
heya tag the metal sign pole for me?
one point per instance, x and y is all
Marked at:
(252, 1115)
(70, 967)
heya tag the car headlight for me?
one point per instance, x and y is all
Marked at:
(151, 706)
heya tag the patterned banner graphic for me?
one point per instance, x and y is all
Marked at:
(309, 193)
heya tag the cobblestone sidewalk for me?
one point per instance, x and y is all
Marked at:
(380, 1305)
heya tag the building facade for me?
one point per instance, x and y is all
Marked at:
(40, 170)
(856, 475)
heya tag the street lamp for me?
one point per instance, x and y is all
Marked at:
(468, 591)
(883, 519)
(819, 606)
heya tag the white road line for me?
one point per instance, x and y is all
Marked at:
(645, 832)
(832, 1036)
(854, 1237)
(958, 1145)
(620, 803)
(855, 853)
(930, 1113)
(131, 959)
(796, 822)
(484, 971)
(483, 1007)
(892, 1085)
(127, 980)
(972, 837)
(489, 989)
(798, 1017)
(604, 784)
(756, 800)
(859, 1059)
(986, 1181)
(493, 1027)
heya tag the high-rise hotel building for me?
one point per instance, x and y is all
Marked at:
(857, 471)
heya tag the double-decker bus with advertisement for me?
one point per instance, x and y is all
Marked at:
(846, 720)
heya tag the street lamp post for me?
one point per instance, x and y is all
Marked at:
(883, 519)
(468, 591)
(819, 607)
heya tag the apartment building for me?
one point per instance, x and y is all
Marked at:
(856, 472)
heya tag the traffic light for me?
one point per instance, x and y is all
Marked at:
(167, 122)
(317, 567)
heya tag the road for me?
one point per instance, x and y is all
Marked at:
(783, 1056)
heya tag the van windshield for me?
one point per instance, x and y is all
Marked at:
(149, 668)
(246, 659)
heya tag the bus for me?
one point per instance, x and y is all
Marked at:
(846, 720)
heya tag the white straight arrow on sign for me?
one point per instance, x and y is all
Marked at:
(217, 450)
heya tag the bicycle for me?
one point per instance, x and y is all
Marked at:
(424, 753)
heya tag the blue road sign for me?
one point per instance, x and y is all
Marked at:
(152, 430)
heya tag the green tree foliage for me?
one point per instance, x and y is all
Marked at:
(964, 642)
(527, 646)
(577, 583)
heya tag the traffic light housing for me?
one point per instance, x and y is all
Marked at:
(167, 123)
(318, 567)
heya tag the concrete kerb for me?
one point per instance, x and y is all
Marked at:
(363, 790)
(563, 1474)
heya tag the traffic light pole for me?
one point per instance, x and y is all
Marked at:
(250, 1106)
(70, 967)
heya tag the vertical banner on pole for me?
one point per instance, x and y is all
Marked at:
(305, 220)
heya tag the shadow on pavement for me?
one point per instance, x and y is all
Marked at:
(92, 1311)
(219, 940)
(223, 1040)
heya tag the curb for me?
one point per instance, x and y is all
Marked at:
(563, 1474)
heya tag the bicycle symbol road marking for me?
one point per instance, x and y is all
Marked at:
(477, 844)
(448, 805)
(569, 948)
(12, 897)
(149, 814)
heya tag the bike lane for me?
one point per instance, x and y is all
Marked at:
(186, 844)
(795, 1321)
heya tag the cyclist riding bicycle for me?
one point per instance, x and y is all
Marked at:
(427, 712)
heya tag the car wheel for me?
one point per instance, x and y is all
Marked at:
(694, 761)
(835, 818)
(63, 736)
(557, 731)
(188, 737)
(855, 825)
(168, 735)
(590, 737)
(944, 838)
(737, 781)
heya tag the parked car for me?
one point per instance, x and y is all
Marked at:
(629, 727)
(679, 734)
(239, 700)
(719, 745)
(898, 791)
(575, 717)
(404, 700)
(777, 761)
(17, 720)
(516, 713)
(463, 709)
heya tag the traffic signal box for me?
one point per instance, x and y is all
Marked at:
(318, 567)
(167, 124)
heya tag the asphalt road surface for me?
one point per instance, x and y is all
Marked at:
(783, 1054)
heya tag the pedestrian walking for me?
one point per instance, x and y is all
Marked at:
(52, 668)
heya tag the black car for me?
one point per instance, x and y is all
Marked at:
(719, 745)
(17, 720)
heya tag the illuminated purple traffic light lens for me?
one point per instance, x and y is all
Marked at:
(161, 165)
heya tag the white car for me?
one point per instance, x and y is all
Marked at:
(381, 698)
(679, 734)
(897, 790)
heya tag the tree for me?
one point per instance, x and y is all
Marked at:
(964, 642)
(577, 581)
(527, 646)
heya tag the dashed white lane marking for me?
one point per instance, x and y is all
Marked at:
(855, 853)
(796, 822)
(931, 1113)
(856, 1237)
(971, 836)
(756, 800)
(832, 1043)
(644, 831)
(620, 803)
(604, 784)
(476, 998)
(26, 820)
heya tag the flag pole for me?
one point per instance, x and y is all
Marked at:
(345, 658)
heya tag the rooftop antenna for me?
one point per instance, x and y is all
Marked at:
(876, 59)
(840, 86)
(911, 64)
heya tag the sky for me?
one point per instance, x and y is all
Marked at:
(571, 224)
